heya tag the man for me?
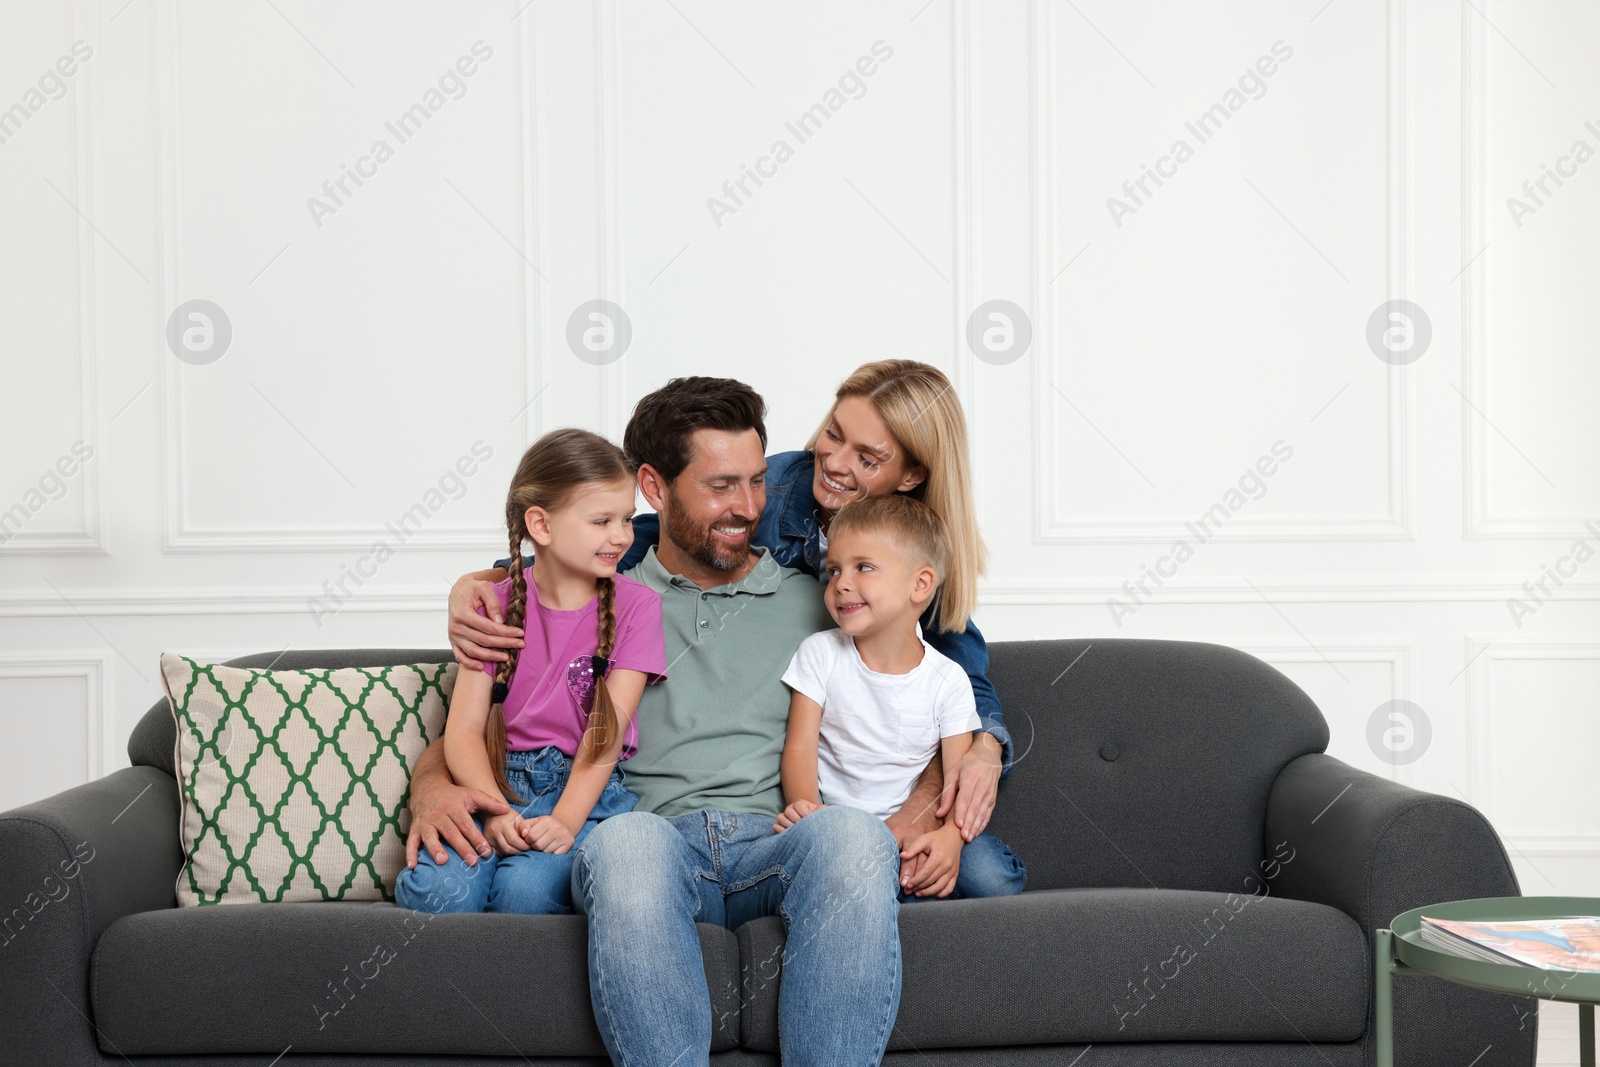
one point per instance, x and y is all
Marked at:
(701, 845)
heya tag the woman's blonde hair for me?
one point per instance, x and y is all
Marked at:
(551, 471)
(922, 412)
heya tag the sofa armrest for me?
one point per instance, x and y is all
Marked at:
(1374, 848)
(70, 866)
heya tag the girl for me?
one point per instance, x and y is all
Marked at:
(896, 426)
(548, 726)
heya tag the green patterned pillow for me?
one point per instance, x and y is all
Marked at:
(294, 783)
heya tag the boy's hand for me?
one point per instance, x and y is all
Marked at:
(908, 827)
(939, 855)
(794, 813)
(505, 833)
(548, 834)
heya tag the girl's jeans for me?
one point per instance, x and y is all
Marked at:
(525, 883)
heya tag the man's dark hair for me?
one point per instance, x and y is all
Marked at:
(664, 421)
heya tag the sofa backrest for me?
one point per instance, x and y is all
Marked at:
(1138, 763)
(1144, 763)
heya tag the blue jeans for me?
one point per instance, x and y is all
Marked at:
(644, 881)
(525, 883)
(988, 869)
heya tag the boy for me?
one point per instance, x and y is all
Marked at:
(872, 701)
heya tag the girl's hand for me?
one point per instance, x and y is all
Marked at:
(505, 833)
(971, 789)
(547, 834)
(473, 637)
(940, 853)
(794, 813)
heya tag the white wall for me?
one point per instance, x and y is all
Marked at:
(379, 338)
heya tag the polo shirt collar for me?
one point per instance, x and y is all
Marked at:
(764, 577)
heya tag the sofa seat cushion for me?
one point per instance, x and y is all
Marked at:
(361, 978)
(1105, 965)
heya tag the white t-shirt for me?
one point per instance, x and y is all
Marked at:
(878, 730)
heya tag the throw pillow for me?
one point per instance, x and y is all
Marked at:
(293, 783)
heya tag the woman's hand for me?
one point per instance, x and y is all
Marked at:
(794, 813)
(971, 789)
(939, 853)
(547, 834)
(473, 637)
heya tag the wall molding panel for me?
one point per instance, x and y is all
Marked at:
(1483, 653)
(101, 749)
(180, 536)
(1481, 520)
(1054, 524)
(90, 284)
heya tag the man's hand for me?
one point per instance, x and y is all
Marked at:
(473, 637)
(547, 834)
(794, 813)
(504, 832)
(971, 789)
(939, 854)
(440, 808)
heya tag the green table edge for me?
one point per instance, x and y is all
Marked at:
(1408, 949)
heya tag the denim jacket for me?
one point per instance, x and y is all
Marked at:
(789, 528)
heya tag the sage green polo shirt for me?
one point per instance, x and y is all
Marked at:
(711, 736)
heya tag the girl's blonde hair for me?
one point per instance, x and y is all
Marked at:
(916, 402)
(550, 472)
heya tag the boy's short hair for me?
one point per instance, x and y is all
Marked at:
(916, 530)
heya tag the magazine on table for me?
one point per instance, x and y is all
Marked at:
(1569, 943)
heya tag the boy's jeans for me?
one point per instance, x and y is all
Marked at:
(526, 883)
(644, 881)
(988, 869)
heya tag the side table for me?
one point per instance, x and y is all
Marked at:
(1400, 950)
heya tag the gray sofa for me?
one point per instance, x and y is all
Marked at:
(1204, 883)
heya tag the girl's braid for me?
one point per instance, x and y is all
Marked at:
(602, 726)
(515, 612)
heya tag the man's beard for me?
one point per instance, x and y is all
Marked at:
(697, 542)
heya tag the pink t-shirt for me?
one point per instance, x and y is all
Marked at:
(551, 691)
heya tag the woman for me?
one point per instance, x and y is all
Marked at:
(896, 426)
